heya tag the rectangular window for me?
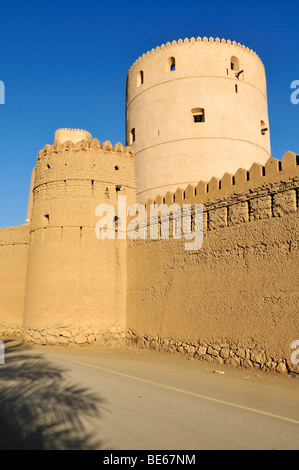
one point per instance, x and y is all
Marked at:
(198, 115)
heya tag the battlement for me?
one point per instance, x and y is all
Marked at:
(85, 144)
(242, 181)
(193, 41)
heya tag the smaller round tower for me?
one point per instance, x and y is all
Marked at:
(74, 280)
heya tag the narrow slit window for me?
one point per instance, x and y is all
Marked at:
(132, 136)
(198, 115)
(140, 78)
(236, 88)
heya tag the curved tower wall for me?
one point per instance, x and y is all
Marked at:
(73, 278)
(195, 109)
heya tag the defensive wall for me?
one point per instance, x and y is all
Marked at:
(235, 300)
(14, 245)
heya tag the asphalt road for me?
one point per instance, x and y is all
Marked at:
(133, 399)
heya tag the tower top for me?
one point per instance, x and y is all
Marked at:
(193, 41)
(74, 135)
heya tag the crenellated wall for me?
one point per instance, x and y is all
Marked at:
(235, 300)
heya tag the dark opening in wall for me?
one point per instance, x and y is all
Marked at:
(116, 167)
(234, 64)
(132, 136)
(236, 88)
(198, 114)
(170, 64)
(264, 129)
(46, 218)
(140, 78)
(117, 187)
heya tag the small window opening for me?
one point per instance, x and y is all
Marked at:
(233, 180)
(264, 129)
(48, 166)
(236, 88)
(247, 175)
(140, 78)
(198, 114)
(132, 136)
(263, 171)
(116, 168)
(170, 64)
(47, 218)
(297, 159)
(117, 187)
(234, 64)
(279, 165)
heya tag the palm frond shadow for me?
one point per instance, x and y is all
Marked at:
(39, 410)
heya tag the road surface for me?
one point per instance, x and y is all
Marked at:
(148, 400)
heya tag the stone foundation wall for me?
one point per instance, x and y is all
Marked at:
(71, 336)
(237, 354)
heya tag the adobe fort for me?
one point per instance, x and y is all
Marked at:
(197, 132)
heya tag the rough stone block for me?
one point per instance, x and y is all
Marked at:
(218, 218)
(238, 213)
(260, 208)
(284, 203)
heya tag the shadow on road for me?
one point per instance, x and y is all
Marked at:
(39, 410)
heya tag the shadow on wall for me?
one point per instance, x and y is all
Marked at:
(39, 410)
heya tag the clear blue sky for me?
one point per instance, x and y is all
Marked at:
(64, 64)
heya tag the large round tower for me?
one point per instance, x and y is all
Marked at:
(195, 109)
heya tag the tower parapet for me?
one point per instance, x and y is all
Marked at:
(74, 135)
